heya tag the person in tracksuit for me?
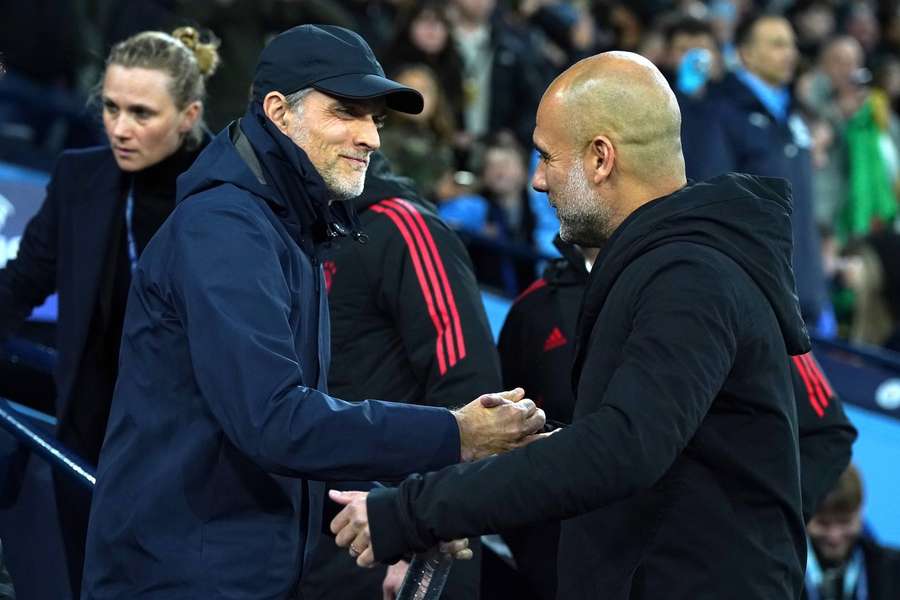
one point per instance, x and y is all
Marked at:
(407, 323)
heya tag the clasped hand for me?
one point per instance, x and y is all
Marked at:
(495, 423)
(351, 529)
(490, 424)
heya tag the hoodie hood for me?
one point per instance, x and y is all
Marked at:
(382, 182)
(747, 218)
(253, 155)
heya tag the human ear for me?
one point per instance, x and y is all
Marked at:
(190, 115)
(602, 157)
(276, 108)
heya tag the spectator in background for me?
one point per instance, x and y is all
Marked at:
(567, 29)
(424, 36)
(843, 562)
(766, 136)
(502, 79)
(504, 180)
(815, 23)
(407, 323)
(833, 92)
(860, 22)
(500, 214)
(873, 274)
(421, 146)
(693, 65)
(102, 207)
(724, 16)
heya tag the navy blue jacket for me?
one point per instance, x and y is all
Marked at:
(210, 483)
(760, 144)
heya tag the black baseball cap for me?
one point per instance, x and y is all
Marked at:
(333, 60)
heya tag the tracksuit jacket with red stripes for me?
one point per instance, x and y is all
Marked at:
(537, 348)
(679, 477)
(407, 324)
(407, 321)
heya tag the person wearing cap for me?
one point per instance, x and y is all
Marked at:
(221, 435)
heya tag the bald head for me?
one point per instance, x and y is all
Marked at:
(623, 96)
(609, 134)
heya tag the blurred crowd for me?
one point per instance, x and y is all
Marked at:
(806, 90)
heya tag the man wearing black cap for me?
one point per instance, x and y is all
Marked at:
(221, 436)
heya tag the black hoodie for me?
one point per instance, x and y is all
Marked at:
(679, 477)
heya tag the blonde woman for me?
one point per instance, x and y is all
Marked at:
(102, 207)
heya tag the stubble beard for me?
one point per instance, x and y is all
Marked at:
(340, 188)
(584, 218)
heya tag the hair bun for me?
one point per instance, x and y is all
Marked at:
(205, 52)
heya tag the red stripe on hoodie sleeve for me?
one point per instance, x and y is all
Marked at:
(423, 283)
(816, 370)
(810, 394)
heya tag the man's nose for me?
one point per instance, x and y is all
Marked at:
(367, 135)
(539, 179)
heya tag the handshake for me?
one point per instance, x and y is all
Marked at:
(490, 424)
(495, 423)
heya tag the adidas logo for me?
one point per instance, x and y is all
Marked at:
(555, 340)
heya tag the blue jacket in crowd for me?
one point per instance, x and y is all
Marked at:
(763, 144)
(221, 433)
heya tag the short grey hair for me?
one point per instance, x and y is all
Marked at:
(295, 100)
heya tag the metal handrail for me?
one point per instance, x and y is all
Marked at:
(55, 453)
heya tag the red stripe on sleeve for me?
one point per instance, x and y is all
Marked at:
(810, 395)
(423, 284)
(442, 273)
(816, 369)
(538, 284)
(421, 245)
(817, 383)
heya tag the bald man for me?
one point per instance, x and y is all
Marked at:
(679, 476)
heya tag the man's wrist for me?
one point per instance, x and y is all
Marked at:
(465, 453)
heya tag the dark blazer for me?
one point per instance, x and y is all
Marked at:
(64, 249)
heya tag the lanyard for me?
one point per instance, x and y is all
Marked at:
(854, 576)
(132, 245)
